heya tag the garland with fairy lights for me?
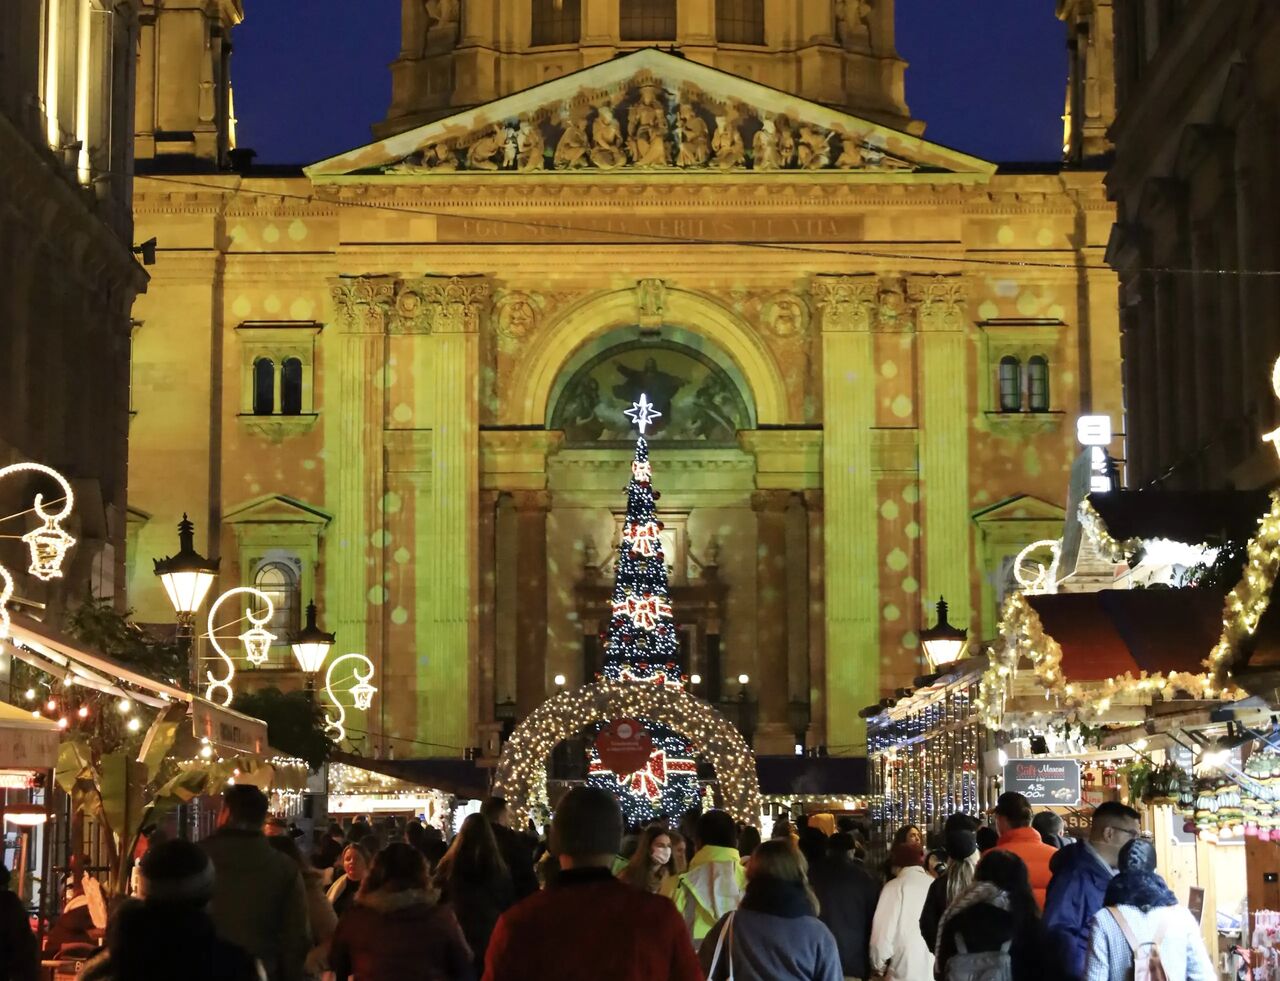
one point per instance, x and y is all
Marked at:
(1248, 601)
(1095, 530)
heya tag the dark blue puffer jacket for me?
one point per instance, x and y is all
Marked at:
(1079, 882)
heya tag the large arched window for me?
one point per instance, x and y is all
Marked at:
(280, 583)
(1010, 384)
(291, 387)
(647, 20)
(1038, 384)
(264, 387)
(555, 22)
(740, 21)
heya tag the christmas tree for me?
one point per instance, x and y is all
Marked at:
(642, 647)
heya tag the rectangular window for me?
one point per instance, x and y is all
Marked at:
(555, 22)
(1038, 384)
(1010, 385)
(740, 21)
(647, 20)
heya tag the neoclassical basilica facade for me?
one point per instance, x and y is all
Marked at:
(394, 380)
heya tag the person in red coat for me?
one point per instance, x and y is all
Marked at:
(589, 925)
(1013, 821)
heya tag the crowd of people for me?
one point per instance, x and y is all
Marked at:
(707, 899)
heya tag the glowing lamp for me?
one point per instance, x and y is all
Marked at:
(48, 544)
(559, 680)
(942, 642)
(187, 575)
(27, 815)
(362, 695)
(311, 644)
(695, 679)
(257, 644)
(744, 679)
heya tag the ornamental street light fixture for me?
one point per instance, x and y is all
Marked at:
(311, 646)
(187, 576)
(942, 642)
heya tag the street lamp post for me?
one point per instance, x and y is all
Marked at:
(943, 644)
(187, 576)
(311, 646)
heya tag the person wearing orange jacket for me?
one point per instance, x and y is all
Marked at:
(1013, 821)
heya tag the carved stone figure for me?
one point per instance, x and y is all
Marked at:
(482, 154)
(814, 151)
(727, 144)
(850, 154)
(851, 17)
(608, 150)
(442, 23)
(889, 162)
(531, 146)
(510, 148)
(647, 130)
(786, 143)
(764, 147)
(651, 300)
(785, 316)
(517, 315)
(692, 131)
(431, 158)
(571, 151)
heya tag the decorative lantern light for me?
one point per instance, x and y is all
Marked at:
(943, 643)
(186, 575)
(48, 544)
(362, 695)
(311, 645)
(257, 644)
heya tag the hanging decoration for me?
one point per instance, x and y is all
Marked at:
(257, 640)
(361, 692)
(48, 543)
(1034, 576)
(1248, 601)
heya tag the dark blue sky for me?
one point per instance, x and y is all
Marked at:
(310, 76)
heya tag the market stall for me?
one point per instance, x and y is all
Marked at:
(28, 755)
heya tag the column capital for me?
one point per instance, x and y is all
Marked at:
(847, 303)
(940, 302)
(362, 303)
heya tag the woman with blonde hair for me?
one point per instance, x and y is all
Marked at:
(775, 933)
(355, 866)
(653, 862)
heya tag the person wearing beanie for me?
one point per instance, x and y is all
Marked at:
(960, 835)
(588, 925)
(1140, 913)
(898, 951)
(847, 897)
(168, 931)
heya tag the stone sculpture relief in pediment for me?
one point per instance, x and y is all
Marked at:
(652, 124)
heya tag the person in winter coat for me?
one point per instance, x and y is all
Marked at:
(997, 909)
(715, 880)
(775, 933)
(19, 952)
(652, 863)
(1013, 820)
(396, 931)
(259, 901)
(1081, 874)
(847, 902)
(960, 833)
(516, 848)
(474, 880)
(320, 915)
(355, 866)
(898, 950)
(588, 925)
(168, 932)
(1139, 913)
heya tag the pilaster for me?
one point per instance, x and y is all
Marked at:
(774, 736)
(848, 389)
(944, 446)
(531, 599)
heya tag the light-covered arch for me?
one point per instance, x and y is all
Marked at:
(686, 311)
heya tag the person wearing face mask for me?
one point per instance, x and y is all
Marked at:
(961, 838)
(653, 861)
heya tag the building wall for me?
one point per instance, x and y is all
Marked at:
(66, 96)
(451, 532)
(1195, 145)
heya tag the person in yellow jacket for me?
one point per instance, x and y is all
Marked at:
(715, 880)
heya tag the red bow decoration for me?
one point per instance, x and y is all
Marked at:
(650, 780)
(644, 611)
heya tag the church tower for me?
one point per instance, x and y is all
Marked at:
(456, 54)
(184, 83)
(1091, 84)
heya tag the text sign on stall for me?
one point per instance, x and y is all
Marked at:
(1047, 782)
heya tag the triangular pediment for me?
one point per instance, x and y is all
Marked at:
(652, 111)
(1024, 507)
(277, 509)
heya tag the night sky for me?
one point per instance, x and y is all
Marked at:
(310, 76)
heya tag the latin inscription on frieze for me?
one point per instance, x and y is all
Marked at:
(622, 230)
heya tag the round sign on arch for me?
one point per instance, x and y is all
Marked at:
(523, 766)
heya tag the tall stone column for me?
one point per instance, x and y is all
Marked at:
(773, 737)
(847, 304)
(484, 670)
(943, 390)
(817, 621)
(531, 599)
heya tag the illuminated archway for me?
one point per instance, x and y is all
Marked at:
(689, 314)
(523, 766)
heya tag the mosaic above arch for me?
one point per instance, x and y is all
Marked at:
(700, 403)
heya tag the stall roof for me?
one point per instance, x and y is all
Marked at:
(462, 778)
(1193, 517)
(1113, 631)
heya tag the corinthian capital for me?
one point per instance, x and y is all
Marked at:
(361, 303)
(940, 302)
(847, 303)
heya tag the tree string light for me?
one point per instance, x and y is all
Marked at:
(257, 639)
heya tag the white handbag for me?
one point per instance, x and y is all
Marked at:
(715, 957)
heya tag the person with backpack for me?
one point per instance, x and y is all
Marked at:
(1142, 933)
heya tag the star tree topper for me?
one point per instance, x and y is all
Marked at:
(642, 413)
